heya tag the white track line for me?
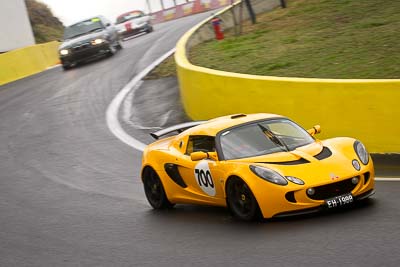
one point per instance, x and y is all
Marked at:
(382, 179)
(112, 110)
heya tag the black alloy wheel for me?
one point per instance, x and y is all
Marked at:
(241, 201)
(154, 191)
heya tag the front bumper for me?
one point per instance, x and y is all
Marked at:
(85, 53)
(320, 208)
(294, 200)
(135, 31)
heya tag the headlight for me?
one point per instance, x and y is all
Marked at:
(361, 152)
(64, 52)
(268, 175)
(97, 41)
(295, 180)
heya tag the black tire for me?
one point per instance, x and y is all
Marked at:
(111, 50)
(119, 45)
(154, 190)
(241, 201)
(66, 67)
(150, 29)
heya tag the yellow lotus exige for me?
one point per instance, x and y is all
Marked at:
(256, 165)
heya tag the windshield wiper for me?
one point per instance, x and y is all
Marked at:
(74, 36)
(83, 33)
(273, 137)
(96, 29)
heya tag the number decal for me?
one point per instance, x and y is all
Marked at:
(204, 178)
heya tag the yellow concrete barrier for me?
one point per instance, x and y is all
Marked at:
(26, 61)
(365, 109)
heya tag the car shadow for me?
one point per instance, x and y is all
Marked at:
(357, 207)
(220, 215)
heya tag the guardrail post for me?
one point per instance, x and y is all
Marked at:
(251, 11)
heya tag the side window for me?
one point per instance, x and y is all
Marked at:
(200, 143)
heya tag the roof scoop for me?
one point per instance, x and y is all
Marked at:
(236, 116)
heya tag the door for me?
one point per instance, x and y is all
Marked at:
(202, 177)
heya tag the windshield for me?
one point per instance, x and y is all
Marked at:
(82, 28)
(263, 137)
(126, 17)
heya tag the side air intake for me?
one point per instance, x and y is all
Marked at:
(173, 173)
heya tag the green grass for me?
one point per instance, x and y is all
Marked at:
(46, 27)
(313, 38)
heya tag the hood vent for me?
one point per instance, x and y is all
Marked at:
(293, 162)
(325, 153)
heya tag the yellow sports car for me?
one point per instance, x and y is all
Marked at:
(257, 165)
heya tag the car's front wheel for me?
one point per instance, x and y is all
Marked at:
(66, 66)
(119, 45)
(150, 29)
(241, 201)
(112, 50)
(154, 190)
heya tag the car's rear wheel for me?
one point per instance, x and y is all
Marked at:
(241, 201)
(154, 190)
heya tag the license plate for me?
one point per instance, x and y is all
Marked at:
(339, 201)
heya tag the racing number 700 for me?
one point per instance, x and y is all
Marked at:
(204, 178)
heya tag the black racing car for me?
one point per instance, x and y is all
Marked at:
(88, 39)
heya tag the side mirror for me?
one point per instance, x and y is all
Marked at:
(200, 155)
(213, 156)
(314, 130)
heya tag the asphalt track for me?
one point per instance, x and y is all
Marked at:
(70, 193)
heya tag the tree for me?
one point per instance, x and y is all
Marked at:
(46, 27)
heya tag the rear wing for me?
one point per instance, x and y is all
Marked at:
(176, 128)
